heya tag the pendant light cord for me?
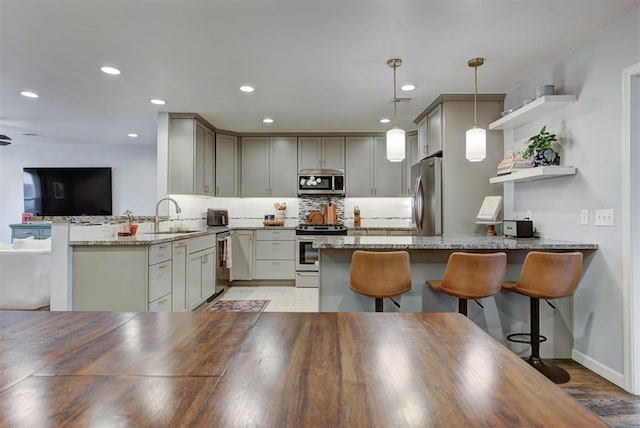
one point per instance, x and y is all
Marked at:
(475, 99)
(395, 120)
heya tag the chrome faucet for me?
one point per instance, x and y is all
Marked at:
(156, 224)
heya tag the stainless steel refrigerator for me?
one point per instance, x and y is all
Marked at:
(427, 197)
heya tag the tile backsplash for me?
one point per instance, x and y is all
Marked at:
(248, 212)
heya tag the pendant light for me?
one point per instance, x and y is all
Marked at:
(395, 136)
(476, 137)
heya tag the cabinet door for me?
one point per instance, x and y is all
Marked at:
(227, 166)
(194, 280)
(199, 161)
(423, 148)
(333, 152)
(434, 130)
(255, 162)
(283, 167)
(309, 152)
(209, 166)
(410, 160)
(359, 171)
(388, 178)
(181, 155)
(242, 255)
(179, 277)
(208, 265)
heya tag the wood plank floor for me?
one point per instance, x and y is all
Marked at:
(617, 407)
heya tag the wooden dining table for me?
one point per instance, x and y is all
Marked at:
(268, 370)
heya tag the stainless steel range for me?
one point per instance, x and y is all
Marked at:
(306, 255)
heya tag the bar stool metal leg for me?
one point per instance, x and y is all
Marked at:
(379, 304)
(462, 307)
(554, 373)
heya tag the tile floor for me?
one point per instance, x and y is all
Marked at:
(283, 298)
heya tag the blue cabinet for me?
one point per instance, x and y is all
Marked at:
(24, 230)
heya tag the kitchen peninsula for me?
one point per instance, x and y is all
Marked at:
(499, 315)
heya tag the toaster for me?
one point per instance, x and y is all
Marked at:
(518, 228)
(217, 217)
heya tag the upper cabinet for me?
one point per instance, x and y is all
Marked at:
(430, 133)
(269, 166)
(321, 152)
(368, 171)
(227, 166)
(533, 110)
(191, 156)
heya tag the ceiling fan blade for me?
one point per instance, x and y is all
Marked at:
(4, 137)
(4, 142)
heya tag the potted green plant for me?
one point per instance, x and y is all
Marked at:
(541, 149)
(133, 227)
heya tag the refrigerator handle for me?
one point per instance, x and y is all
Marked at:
(417, 204)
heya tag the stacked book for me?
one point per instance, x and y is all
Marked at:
(513, 164)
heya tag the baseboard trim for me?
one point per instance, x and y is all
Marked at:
(597, 367)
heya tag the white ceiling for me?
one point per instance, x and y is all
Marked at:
(317, 66)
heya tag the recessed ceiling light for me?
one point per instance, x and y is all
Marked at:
(110, 70)
(247, 88)
(385, 120)
(29, 94)
(157, 101)
(267, 120)
(408, 87)
(132, 135)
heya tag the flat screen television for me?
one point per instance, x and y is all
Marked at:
(67, 191)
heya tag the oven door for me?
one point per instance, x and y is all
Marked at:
(306, 255)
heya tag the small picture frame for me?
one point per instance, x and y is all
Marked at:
(490, 209)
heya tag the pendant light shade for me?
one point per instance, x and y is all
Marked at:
(395, 136)
(476, 137)
(395, 145)
(476, 144)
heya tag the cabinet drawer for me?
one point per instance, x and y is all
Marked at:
(159, 280)
(357, 232)
(275, 250)
(376, 232)
(399, 232)
(21, 234)
(275, 235)
(201, 243)
(160, 252)
(163, 304)
(275, 269)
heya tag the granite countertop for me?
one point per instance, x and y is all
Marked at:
(262, 227)
(149, 238)
(480, 242)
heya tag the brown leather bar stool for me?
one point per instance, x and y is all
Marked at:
(471, 276)
(545, 276)
(380, 274)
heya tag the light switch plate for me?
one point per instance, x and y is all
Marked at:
(605, 218)
(584, 217)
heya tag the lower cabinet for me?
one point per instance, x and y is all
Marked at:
(378, 232)
(170, 276)
(242, 254)
(275, 254)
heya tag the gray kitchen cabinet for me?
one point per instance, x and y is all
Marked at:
(430, 133)
(191, 156)
(321, 152)
(227, 166)
(275, 254)
(179, 277)
(201, 270)
(242, 250)
(368, 172)
(411, 160)
(269, 166)
(464, 183)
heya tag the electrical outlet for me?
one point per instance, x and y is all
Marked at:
(584, 217)
(605, 218)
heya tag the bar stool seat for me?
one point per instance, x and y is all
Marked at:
(545, 276)
(471, 276)
(380, 274)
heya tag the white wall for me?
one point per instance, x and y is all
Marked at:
(133, 175)
(591, 132)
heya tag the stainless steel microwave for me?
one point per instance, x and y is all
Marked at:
(321, 182)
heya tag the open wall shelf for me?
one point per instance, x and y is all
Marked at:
(537, 173)
(533, 110)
